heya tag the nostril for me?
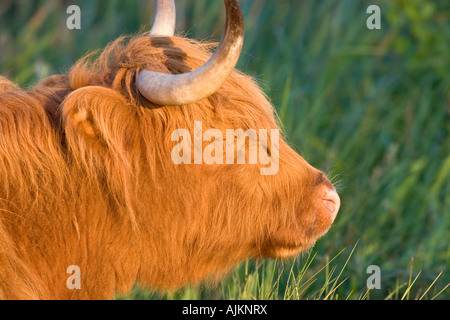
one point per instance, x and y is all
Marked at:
(330, 205)
(332, 201)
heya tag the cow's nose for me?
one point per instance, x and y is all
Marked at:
(332, 201)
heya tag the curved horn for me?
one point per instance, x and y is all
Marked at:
(171, 90)
(165, 19)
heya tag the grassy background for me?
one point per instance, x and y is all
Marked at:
(371, 107)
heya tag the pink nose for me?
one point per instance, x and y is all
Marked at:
(332, 201)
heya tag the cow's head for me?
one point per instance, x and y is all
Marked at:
(192, 218)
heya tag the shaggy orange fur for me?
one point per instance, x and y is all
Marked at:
(87, 180)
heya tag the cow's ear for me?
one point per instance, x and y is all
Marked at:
(99, 116)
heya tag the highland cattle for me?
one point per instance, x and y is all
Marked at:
(87, 178)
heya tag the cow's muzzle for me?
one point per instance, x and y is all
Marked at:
(331, 201)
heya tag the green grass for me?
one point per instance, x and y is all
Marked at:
(302, 278)
(372, 108)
